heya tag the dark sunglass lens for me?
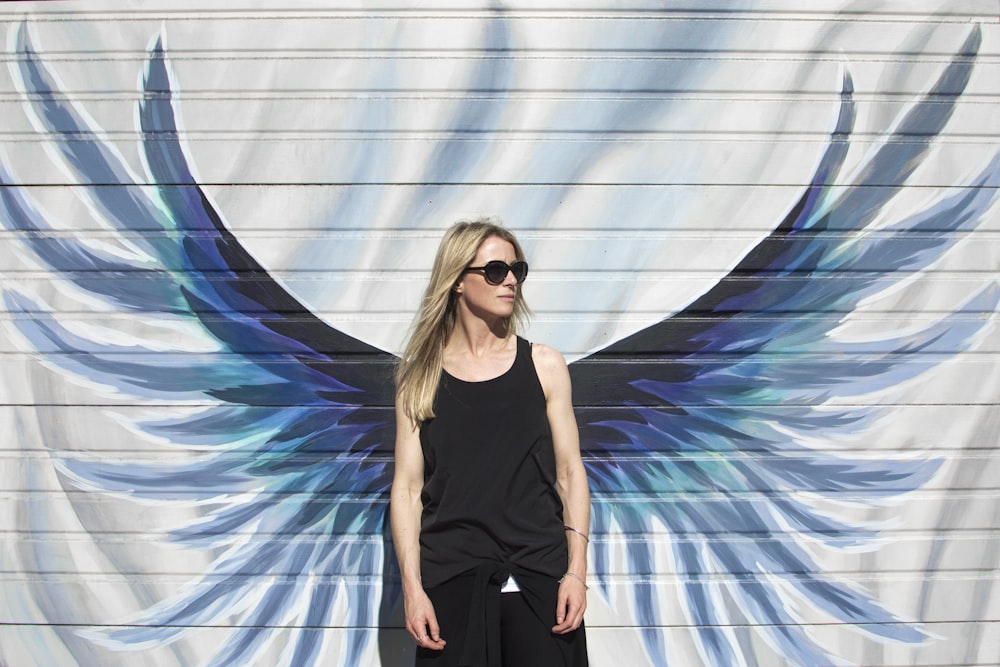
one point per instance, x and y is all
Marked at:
(495, 271)
(520, 271)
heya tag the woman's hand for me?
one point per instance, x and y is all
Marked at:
(422, 622)
(571, 604)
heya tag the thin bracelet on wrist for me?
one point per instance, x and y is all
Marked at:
(574, 530)
(575, 576)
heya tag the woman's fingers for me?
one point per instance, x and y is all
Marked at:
(431, 641)
(426, 632)
(571, 604)
(433, 638)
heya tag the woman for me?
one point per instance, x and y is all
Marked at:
(490, 507)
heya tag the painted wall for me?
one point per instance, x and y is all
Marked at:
(766, 237)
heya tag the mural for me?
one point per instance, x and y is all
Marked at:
(720, 433)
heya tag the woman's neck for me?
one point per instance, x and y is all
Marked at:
(477, 337)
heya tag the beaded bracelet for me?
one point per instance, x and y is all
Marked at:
(577, 577)
(574, 530)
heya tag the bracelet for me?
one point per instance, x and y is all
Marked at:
(574, 530)
(577, 577)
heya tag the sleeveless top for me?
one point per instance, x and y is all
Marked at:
(489, 496)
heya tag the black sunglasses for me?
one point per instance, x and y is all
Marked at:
(495, 271)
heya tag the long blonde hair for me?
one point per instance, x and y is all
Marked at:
(419, 370)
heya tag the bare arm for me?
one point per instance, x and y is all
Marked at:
(571, 484)
(404, 515)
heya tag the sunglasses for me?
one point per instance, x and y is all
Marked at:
(495, 271)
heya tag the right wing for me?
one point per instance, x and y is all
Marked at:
(296, 430)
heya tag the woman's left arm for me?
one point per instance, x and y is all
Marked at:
(571, 484)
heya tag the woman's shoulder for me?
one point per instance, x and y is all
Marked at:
(549, 363)
(547, 354)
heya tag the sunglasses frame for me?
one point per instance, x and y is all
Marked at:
(507, 268)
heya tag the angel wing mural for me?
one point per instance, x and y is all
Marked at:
(702, 427)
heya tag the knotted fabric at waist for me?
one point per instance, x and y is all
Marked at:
(481, 644)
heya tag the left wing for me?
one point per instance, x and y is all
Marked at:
(705, 425)
(296, 440)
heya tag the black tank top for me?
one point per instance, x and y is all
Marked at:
(489, 494)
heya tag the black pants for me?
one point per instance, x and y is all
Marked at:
(525, 639)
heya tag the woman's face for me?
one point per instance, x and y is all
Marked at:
(481, 298)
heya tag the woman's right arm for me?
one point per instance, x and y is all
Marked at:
(404, 516)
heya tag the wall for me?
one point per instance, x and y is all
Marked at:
(815, 478)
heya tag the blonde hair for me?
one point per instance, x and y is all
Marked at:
(419, 370)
